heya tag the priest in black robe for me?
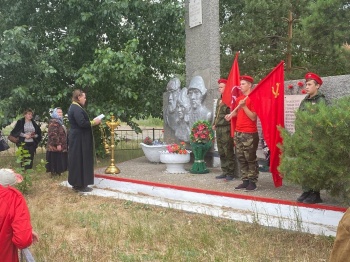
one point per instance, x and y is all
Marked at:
(80, 144)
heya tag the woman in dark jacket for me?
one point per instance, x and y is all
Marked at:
(56, 147)
(29, 134)
(80, 144)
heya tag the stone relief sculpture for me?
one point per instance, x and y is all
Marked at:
(196, 93)
(183, 106)
(173, 90)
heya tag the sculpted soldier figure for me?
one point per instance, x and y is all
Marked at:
(196, 93)
(183, 106)
(173, 90)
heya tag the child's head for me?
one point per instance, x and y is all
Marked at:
(312, 83)
(8, 177)
(246, 83)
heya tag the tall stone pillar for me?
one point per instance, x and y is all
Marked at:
(203, 49)
(203, 44)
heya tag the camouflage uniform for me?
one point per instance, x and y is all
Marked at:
(224, 140)
(246, 146)
(341, 247)
(317, 99)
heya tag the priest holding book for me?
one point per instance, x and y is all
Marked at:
(80, 144)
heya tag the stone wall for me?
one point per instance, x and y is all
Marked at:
(333, 87)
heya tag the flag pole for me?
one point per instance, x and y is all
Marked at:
(235, 110)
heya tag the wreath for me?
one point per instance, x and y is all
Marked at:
(202, 132)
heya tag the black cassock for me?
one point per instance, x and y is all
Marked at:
(80, 148)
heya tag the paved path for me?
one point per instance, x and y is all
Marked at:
(142, 169)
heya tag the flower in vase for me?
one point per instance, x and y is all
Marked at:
(201, 132)
(177, 148)
(148, 140)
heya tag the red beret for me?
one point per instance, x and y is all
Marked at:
(222, 80)
(313, 76)
(247, 78)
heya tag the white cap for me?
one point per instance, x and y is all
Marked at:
(8, 177)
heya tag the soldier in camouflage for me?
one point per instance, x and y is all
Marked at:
(223, 137)
(312, 83)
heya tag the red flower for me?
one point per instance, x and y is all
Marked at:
(303, 91)
(300, 84)
(177, 149)
(290, 86)
(201, 132)
(148, 140)
(201, 127)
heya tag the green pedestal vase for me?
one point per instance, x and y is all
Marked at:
(199, 150)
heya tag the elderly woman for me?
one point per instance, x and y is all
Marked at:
(56, 148)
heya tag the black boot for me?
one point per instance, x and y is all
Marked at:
(251, 186)
(313, 198)
(243, 185)
(303, 196)
(221, 176)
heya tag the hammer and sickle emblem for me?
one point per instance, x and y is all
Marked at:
(275, 92)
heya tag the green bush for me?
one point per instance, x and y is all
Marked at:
(317, 155)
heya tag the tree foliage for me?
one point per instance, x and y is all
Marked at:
(121, 53)
(317, 155)
(259, 31)
(326, 30)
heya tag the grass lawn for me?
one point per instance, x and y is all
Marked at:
(74, 227)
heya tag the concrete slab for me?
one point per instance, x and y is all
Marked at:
(284, 214)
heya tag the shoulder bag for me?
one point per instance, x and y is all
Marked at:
(3, 144)
(13, 139)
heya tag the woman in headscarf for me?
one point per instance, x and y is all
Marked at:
(56, 148)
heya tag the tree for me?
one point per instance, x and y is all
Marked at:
(326, 30)
(317, 155)
(121, 53)
(259, 30)
(266, 32)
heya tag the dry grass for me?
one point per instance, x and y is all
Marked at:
(75, 227)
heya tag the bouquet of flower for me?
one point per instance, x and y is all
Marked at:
(148, 141)
(177, 148)
(201, 132)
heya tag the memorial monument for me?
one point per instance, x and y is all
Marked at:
(203, 62)
(202, 65)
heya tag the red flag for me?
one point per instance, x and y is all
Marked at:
(268, 99)
(232, 90)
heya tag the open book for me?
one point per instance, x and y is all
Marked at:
(100, 116)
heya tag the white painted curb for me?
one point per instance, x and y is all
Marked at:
(296, 218)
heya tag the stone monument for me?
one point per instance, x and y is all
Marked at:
(203, 45)
(202, 72)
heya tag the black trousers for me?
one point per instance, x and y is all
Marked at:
(31, 147)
